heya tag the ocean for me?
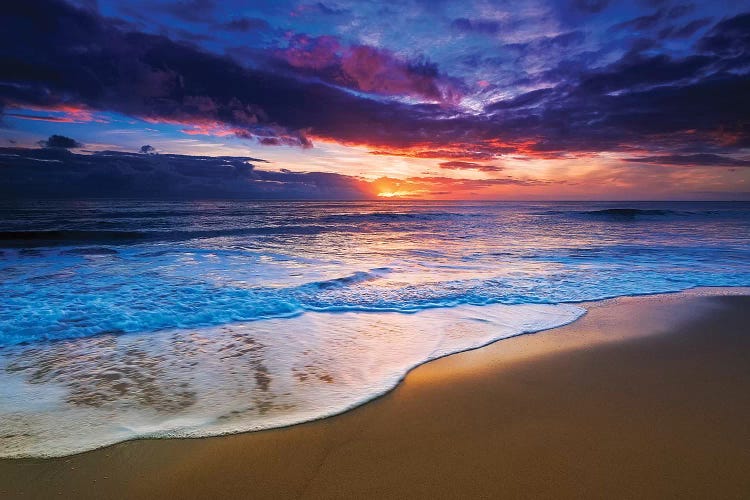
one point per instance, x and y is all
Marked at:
(127, 319)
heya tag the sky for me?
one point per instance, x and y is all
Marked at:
(429, 99)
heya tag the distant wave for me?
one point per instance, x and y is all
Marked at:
(626, 214)
(66, 237)
(90, 251)
(71, 237)
(193, 306)
(63, 276)
(397, 216)
(631, 212)
(352, 279)
(302, 226)
(634, 212)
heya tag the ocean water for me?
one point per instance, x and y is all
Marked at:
(148, 319)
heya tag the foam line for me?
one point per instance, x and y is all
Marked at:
(75, 395)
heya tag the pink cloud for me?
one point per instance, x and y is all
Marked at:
(312, 52)
(369, 69)
(64, 113)
(266, 135)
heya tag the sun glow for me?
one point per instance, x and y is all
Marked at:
(396, 194)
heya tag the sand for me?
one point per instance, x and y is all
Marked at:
(645, 397)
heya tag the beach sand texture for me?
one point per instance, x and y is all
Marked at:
(643, 397)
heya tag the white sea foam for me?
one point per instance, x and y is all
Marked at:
(75, 395)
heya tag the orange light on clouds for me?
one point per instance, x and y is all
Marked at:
(64, 113)
(519, 170)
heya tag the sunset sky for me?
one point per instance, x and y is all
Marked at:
(565, 99)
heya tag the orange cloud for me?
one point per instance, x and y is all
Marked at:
(65, 113)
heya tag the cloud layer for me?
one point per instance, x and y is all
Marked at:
(470, 85)
(59, 173)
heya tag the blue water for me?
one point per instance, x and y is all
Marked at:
(123, 320)
(79, 269)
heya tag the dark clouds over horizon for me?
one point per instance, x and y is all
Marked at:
(55, 172)
(667, 83)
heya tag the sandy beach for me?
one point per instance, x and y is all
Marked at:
(643, 397)
(366, 250)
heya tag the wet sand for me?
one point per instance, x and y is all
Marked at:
(644, 397)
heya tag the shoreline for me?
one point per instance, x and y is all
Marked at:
(167, 467)
(583, 306)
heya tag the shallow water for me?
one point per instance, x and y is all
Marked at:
(126, 319)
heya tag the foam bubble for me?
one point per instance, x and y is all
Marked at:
(75, 395)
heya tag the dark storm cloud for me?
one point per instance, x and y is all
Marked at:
(320, 8)
(542, 45)
(651, 21)
(52, 54)
(635, 72)
(60, 141)
(730, 37)
(60, 54)
(592, 6)
(640, 23)
(245, 24)
(58, 173)
(712, 110)
(487, 27)
(527, 100)
(699, 159)
(190, 10)
(646, 101)
(86, 4)
(686, 30)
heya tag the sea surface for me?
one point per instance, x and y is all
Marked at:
(125, 319)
